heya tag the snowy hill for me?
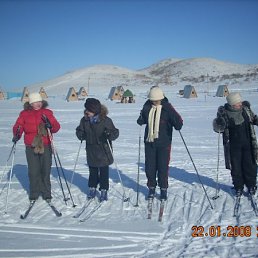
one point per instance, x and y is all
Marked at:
(171, 72)
(98, 76)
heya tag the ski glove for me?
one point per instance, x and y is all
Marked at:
(221, 124)
(255, 120)
(80, 135)
(105, 136)
(15, 139)
(47, 122)
(140, 120)
(221, 111)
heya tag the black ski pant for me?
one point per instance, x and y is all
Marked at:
(39, 168)
(99, 175)
(156, 164)
(243, 167)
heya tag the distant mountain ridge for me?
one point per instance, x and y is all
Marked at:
(166, 72)
(196, 70)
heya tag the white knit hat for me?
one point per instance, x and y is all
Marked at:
(155, 94)
(34, 97)
(234, 98)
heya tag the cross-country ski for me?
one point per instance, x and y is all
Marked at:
(92, 211)
(161, 210)
(83, 208)
(25, 215)
(149, 208)
(54, 209)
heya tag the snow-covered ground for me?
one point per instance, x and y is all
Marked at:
(117, 228)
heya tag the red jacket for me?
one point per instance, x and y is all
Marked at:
(28, 122)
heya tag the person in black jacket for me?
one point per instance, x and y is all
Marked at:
(160, 117)
(236, 121)
(98, 130)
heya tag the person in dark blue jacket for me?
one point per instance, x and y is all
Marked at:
(160, 117)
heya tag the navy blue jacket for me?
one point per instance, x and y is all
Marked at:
(169, 118)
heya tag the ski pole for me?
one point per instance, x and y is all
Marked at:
(56, 157)
(6, 164)
(125, 199)
(59, 177)
(138, 172)
(10, 179)
(195, 169)
(217, 173)
(75, 164)
(17, 136)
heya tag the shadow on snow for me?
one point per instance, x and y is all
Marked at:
(20, 172)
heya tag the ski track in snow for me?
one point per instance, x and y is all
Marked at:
(117, 228)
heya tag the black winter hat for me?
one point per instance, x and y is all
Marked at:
(93, 105)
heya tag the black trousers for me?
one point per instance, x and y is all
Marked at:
(99, 175)
(39, 168)
(244, 169)
(156, 164)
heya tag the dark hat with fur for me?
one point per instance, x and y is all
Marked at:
(93, 105)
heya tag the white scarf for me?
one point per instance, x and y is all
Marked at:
(153, 123)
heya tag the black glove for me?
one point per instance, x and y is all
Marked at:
(140, 120)
(80, 135)
(246, 103)
(15, 139)
(106, 134)
(47, 122)
(221, 124)
(221, 111)
(255, 120)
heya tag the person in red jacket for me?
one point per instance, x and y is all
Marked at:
(34, 122)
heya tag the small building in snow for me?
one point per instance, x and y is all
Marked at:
(71, 95)
(116, 93)
(189, 92)
(222, 91)
(128, 97)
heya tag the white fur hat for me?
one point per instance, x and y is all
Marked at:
(155, 94)
(34, 97)
(234, 98)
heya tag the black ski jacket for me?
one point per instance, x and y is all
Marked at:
(169, 118)
(237, 135)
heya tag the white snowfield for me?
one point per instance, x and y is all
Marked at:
(191, 226)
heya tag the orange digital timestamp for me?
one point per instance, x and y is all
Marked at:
(216, 231)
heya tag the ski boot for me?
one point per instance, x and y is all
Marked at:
(151, 193)
(163, 194)
(239, 192)
(92, 193)
(252, 190)
(103, 195)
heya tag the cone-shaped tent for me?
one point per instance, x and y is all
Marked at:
(189, 92)
(72, 95)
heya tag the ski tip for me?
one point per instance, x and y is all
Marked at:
(22, 217)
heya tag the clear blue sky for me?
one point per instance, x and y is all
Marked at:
(42, 39)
